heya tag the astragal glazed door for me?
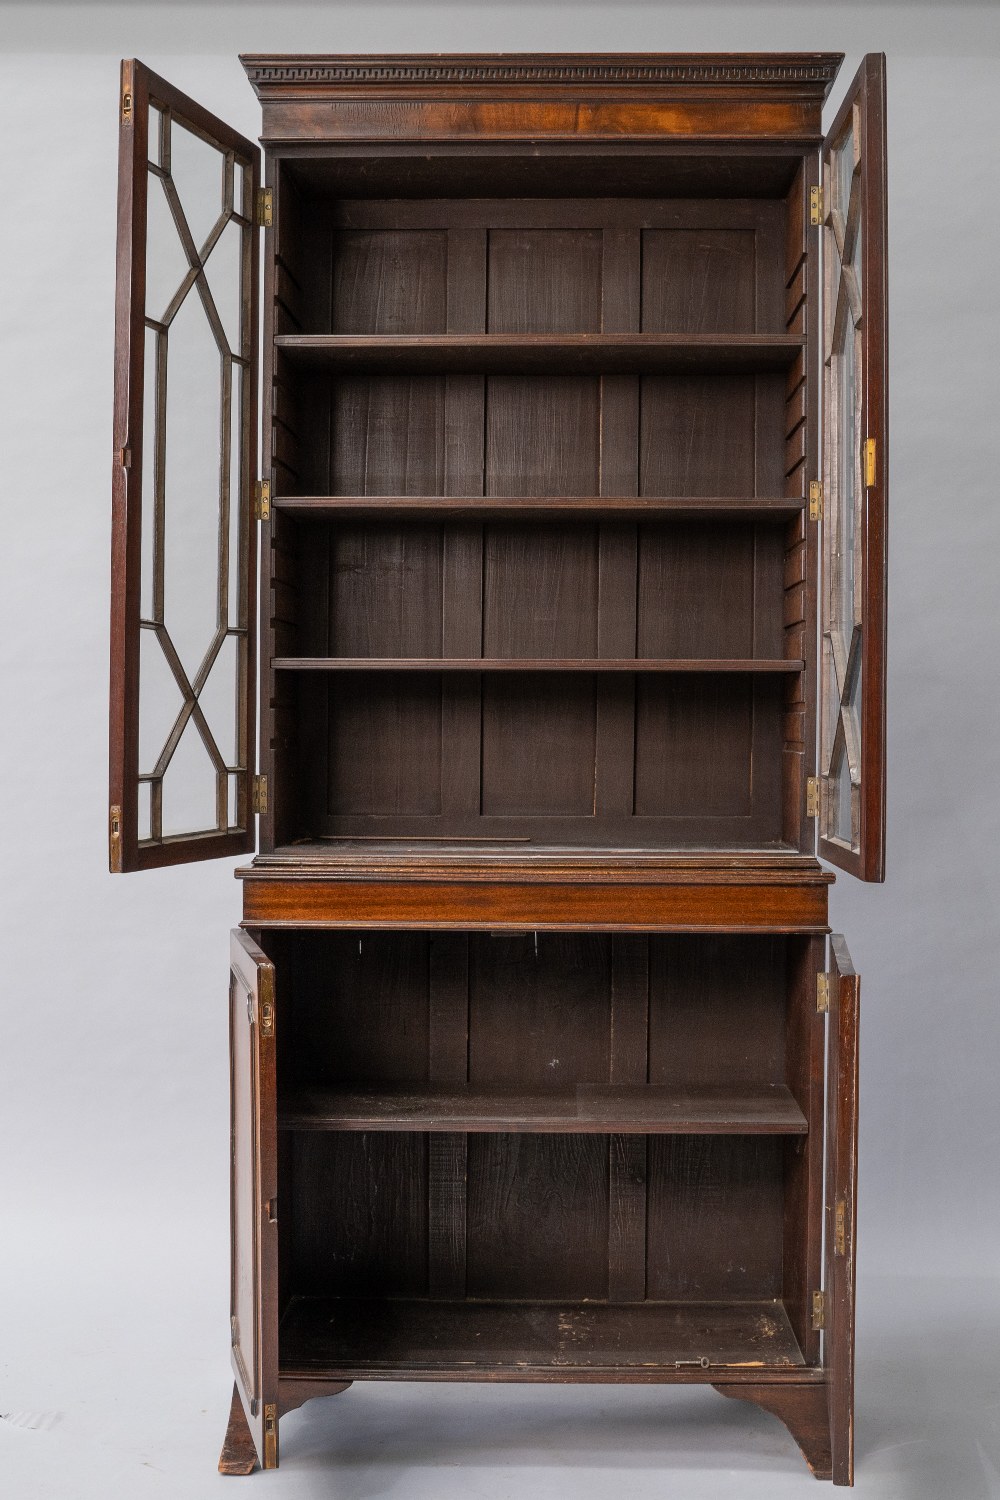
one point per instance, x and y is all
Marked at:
(855, 481)
(183, 568)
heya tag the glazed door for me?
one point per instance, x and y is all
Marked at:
(253, 1192)
(855, 465)
(183, 561)
(841, 1203)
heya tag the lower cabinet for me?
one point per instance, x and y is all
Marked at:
(558, 1156)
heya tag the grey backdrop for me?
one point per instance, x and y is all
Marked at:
(112, 1033)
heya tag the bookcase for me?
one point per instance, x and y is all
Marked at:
(568, 665)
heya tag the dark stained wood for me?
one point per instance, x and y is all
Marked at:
(538, 706)
(536, 905)
(841, 1205)
(238, 1456)
(128, 848)
(535, 664)
(540, 508)
(867, 94)
(538, 353)
(802, 1408)
(254, 1188)
(644, 1342)
(644, 1108)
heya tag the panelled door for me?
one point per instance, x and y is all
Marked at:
(855, 473)
(841, 1204)
(254, 1192)
(183, 573)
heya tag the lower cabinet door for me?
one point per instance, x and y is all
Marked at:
(253, 1191)
(841, 1203)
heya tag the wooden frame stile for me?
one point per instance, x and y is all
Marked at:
(253, 1427)
(234, 832)
(841, 1205)
(856, 732)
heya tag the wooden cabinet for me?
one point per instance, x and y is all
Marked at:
(570, 644)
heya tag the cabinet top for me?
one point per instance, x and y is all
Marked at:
(806, 72)
(720, 96)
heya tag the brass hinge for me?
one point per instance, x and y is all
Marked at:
(126, 106)
(815, 500)
(260, 794)
(270, 1435)
(815, 205)
(265, 207)
(115, 839)
(266, 1014)
(840, 1227)
(869, 463)
(819, 1310)
(812, 796)
(822, 993)
(262, 500)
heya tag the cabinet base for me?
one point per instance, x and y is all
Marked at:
(239, 1455)
(804, 1411)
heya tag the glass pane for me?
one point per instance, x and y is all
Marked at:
(843, 819)
(218, 699)
(222, 271)
(843, 171)
(197, 170)
(160, 701)
(848, 491)
(189, 787)
(194, 485)
(166, 263)
(149, 430)
(191, 520)
(237, 522)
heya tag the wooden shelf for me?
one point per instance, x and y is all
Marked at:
(540, 508)
(542, 353)
(532, 664)
(637, 1109)
(647, 1341)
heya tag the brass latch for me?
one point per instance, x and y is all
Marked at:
(266, 1018)
(260, 794)
(127, 107)
(819, 1310)
(840, 1228)
(815, 205)
(869, 463)
(270, 1435)
(822, 993)
(815, 500)
(115, 839)
(262, 500)
(812, 796)
(265, 207)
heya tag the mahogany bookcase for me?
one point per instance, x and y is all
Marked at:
(570, 664)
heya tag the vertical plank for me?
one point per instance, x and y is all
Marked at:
(804, 1043)
(619, 475)
(627, 1153)
(448, 1062)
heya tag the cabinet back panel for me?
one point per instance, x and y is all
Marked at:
(355, 1007)
(714, 1217)
(359, 1214)
(390, 281)
(386, 591)
(717, 1011)
(540, 1009)
(540, 590)
(544, 281)
(698, 281)
(384, 752)
(539, 745)
(537, 1216)
(388, 435)
(542, 435)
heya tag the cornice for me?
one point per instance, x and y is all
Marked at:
(650, 69)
